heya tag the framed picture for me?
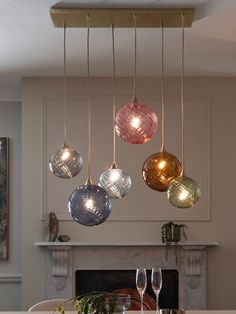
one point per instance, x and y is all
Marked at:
(4, 209)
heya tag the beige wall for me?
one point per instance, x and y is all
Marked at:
(41, 127)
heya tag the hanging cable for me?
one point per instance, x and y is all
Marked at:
(114, 164)
(64, 83)
(182, 92)
(162, 89)
(135, 57)
(89, 180)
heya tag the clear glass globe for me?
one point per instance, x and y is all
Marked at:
(183, 192)
(89, 205)
(160, 169)
(136, 123)
(115, 182)
(65, 162)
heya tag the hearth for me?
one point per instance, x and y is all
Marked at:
(110, 280)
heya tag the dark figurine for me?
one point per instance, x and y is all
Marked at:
(64, 238)
(53, 227)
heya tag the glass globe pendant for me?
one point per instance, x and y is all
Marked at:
(89, 205)
(183, 192)
(65, 162)
(136, 123)
(116, 182)
(160, 169)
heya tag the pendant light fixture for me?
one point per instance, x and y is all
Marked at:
(161, 168)
(116, 182)
(136, 123)
(183, 192)
(89, 204)
(65, 162)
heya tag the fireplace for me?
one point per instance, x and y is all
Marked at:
(112, 280)
(187, 261)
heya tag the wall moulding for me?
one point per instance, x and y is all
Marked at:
(197, 163)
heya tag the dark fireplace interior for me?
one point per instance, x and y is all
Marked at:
(110, 280)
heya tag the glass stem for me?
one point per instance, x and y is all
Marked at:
(157, 299)
(141, 296)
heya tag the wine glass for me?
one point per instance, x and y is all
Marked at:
(156, 280)
(141, 283)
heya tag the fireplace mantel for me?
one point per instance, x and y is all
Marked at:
(188, 257)
(73, 244)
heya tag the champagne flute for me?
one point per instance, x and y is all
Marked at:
(156, 280)
(141, 283)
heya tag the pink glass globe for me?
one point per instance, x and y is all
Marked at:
(136, 123)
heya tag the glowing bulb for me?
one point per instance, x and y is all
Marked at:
(89, 203)
(183, 195)
(135, 122)
(65, 155)
(161, 164)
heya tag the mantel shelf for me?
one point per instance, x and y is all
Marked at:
(107, 244)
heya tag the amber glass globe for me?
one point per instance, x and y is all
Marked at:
(65, 162)
(160, 169)
(183, 192)
(136, 123)
(89, 205)
(116, 182)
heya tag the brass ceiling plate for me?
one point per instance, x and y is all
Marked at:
(121, 18)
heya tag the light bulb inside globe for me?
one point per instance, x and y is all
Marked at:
(65, 162)
(116, 182)
(160, 169)
(89, 205)
(183, 192)
(136, 123)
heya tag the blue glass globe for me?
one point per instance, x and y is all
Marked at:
(115, 182)
(65, 162)
(183, 192)
(89, 205)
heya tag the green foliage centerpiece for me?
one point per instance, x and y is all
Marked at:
(97, 303)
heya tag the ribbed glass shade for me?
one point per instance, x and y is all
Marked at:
(115, 182)
(89, 205)
(136, 123)
(183, 192)
(65, 162)
(160, 169)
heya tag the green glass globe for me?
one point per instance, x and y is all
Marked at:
(183, 192)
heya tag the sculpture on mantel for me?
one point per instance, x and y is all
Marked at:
(53, 227)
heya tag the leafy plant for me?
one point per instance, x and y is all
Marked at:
(171, 232)
(92, 303)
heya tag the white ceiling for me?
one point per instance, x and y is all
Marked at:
(31, 46)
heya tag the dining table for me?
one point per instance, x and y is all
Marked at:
(134, 312)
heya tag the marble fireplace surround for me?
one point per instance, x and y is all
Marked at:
(190, 259)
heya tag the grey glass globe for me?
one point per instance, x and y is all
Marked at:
(183, 192)
(89, 205)
(116, 182)
(65, 162)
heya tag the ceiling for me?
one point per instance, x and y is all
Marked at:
(31, 46)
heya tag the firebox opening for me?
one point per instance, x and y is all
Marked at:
(110, 280)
